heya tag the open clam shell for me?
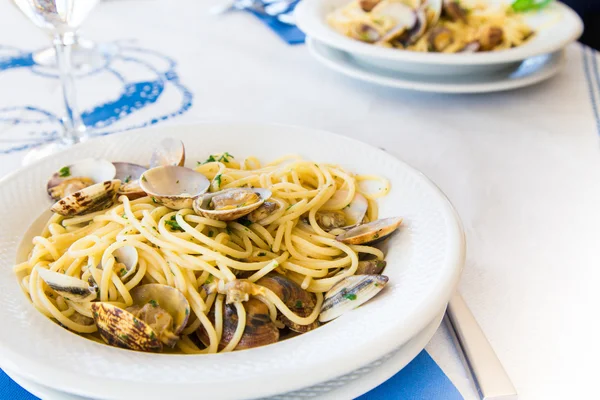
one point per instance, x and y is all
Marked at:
(168, 152)
(259, 329)
(370, 232)
(81, 174)
(230, 204)
(298, 300)
(174, 187)
(127, 256)
(92, 198)
(370, 267)
(350, 293)
(129, 174)
(158, 315)
(349, 216)
(67, 286)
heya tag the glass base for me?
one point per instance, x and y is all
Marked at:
(86, 55)
(44, 151)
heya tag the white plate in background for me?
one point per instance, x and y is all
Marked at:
(558, 26)
(528, 72)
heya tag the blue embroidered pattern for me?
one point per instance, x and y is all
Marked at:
(143, 78)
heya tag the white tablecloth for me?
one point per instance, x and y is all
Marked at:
(522, 167)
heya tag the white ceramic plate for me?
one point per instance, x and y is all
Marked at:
(425, 260)
(348, 386)
(528, 72)
(558, 26)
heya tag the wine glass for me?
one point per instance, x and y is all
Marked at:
(62, 18)
(86, 55)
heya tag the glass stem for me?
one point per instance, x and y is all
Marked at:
(74, 130)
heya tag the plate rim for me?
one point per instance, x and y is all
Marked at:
(358, 72)
(309, 21)
(453, 265)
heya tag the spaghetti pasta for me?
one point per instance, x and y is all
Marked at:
(213, 264)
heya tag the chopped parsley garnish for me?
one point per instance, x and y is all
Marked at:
(124, 215)
(173, 224)
(125, 337)
(290, 206)
(187, 311)
(210, 233)
(376, 284)
(64, 172)
(376, 236)
(225, 156)
(350, 296)
(245, 222)
(218, 180)
(122, 272)
(153, 303)
(262, 254)
(299, 304)
(154, 200)
(228, 230)
(152, 335)
(127, 179)
(144, 178)
(209, 159)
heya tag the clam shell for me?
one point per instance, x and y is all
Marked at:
(350, 293)
(67, 286)
(94, 169)
(130, 175)
(298, 300)
(371, 232)
(201, 205)
(370, 267)
(168, 298)
(92, 198)
(121, 329)
(168, 152)
(174, 187)
(128, 256)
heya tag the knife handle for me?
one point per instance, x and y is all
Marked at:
(490, 377)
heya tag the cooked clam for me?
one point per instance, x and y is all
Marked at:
(67, 286)
(79, 175)
(169, 152)
(368, 5)
(230, 204)
(158, 315)
(263, 212)
(350, 293)
(126, 260)
(370, 232)
(350, 215)
(92, 198)
(173, 186)
(453, 10)
(129, 174)
(440, 38)
(490, 37)
(370, 267)
(298, 300)
(259, 329)
(365, 32)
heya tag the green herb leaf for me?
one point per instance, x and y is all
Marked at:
(153, 303)
(174, 225)
(299, 304)
(144, 178)
(154, 200)
(245, 222)
(290, 206)
(529, 5)
(127, 179)
(210, 233)
(218, 180)
(225, 157)
(350, 296)
(64, 172)
(228, 230)
(122, 272)
(209, 159)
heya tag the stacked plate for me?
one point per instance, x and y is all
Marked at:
(539, 58)
(342, 359)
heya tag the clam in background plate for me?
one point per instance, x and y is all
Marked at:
(425, 259)
(556, 26)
